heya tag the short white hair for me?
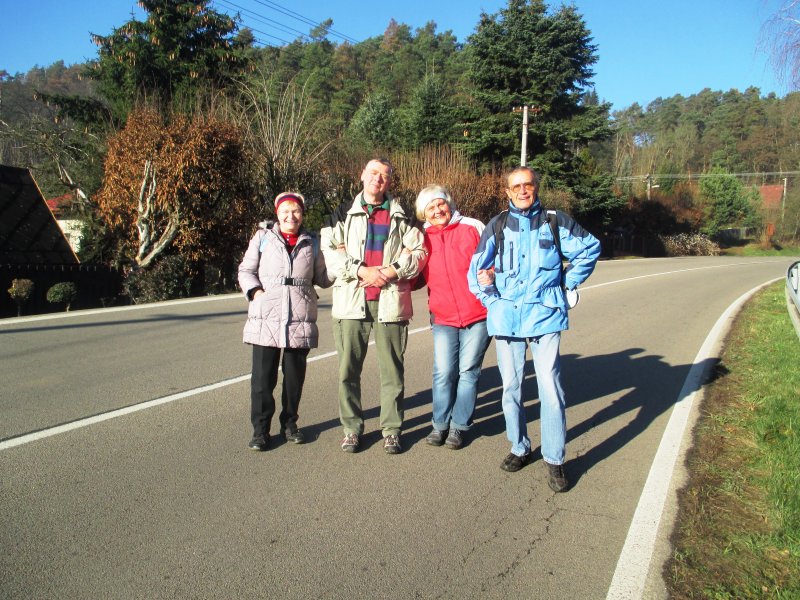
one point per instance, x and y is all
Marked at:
(428, 195)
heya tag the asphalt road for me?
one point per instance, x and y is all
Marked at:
(167, 502)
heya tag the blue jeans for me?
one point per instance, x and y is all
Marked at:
(547, 363)
(457, 359)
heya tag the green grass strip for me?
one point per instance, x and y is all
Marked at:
(738, 530)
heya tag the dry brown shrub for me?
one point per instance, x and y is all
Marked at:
(199, 185)
(477, 196)
(558, 199)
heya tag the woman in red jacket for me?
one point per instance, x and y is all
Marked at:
(457, 317)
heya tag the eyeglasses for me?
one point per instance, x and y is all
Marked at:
(528, 185)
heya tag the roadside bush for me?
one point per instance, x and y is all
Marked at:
(168, 279)
(689, 244)
(20, 291)
(477, 196)
(64, 292)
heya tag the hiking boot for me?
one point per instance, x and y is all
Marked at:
(259, 443)
(455, 440)
(435, 437)
(557, 478)
(294, 435)
(350, 442)
(391, 444)
(513, 463)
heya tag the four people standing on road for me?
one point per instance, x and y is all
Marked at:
(278, 274)
(458, 319)
(508, 283)
(517, 274)
(373, 252)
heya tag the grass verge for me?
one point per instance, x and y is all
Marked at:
(738, 529)
(754, 249)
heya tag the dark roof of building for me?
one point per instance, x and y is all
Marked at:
(29, 233)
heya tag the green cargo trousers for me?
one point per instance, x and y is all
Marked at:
(352, 337)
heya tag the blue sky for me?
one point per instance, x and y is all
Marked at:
(646, 48)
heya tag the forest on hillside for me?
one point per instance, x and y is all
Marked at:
(186, 105)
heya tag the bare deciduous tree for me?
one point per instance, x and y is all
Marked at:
(780, 35)
(285, 145)
(146, 220)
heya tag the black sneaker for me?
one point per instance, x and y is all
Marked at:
(350, 442)
(294, 435)
(513, 463)
(391, 444)
(259, 443)
(455, 440)
(557, 478)
(435, 437)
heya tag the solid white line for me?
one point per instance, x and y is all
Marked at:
(113, 309)
(630, 576)
(45, 433)
(120, 412)
(599, 285)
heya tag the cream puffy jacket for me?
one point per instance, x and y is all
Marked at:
(350, 228)
(285, 315)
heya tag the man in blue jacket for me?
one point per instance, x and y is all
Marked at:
(516, 273)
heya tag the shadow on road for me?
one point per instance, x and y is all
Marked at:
(644, 387)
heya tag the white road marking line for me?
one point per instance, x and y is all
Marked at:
(113, 309)
(630, 576)
(599, 285)
(121, 412)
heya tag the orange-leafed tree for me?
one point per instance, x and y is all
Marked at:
(177, 185)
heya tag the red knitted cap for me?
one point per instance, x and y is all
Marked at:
(294, 197)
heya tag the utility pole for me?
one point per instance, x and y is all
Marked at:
(523, 155)
(783, 201)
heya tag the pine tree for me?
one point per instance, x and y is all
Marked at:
(183, 48)
(523, 55)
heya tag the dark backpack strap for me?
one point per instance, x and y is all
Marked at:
(498, 227)
(552, 220)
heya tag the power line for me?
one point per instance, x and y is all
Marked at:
(265, 20)
(303, 19)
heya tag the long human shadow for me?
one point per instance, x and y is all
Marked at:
(649, 387)
(653, 387)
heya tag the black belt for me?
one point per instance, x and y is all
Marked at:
(293, 281)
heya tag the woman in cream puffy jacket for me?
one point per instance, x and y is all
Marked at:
(278, 274)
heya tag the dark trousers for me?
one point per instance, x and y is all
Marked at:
(264, 379)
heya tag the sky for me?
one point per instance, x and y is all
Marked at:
(646, 48)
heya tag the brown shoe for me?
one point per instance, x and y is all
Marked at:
(513, 463)
(455, 440)
(557, 478)
(436, 437)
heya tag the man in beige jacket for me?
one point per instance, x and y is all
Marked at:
(373, 251)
